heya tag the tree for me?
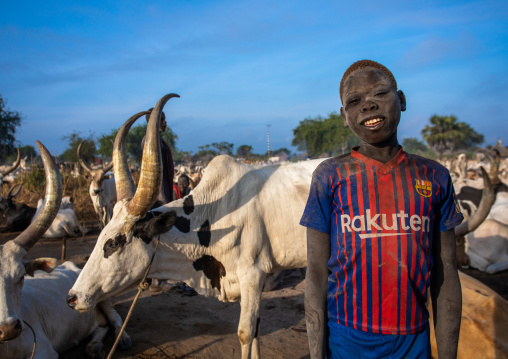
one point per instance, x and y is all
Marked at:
(24, 151)
(243, 151)
(413, 145)
(9, 120)
(224, 148)
(318, 135)
(446, 133)
(87, 151)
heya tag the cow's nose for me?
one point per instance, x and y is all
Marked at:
(96, 191)
(10, 330)
(72, 300)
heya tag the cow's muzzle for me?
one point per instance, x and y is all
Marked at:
(72, 300)
(10, 330)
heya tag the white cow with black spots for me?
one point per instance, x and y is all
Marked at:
(223, 239)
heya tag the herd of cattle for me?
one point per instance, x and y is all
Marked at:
(224, 239)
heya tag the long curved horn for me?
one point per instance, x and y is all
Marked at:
(125, 187)
(52, 202)
(488, 197)
(80, 160)
(9, 195)
(150, 179)
(13, 167)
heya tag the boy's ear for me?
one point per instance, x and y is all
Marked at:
(402, 99)
(343, 115)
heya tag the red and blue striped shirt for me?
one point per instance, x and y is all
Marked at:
(381, 218)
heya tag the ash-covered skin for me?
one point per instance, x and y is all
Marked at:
(372, 107)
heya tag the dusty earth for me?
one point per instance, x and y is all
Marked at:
(172, 325)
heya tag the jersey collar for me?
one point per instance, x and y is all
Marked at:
(380, 166)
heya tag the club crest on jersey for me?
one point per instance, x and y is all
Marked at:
(423, 187)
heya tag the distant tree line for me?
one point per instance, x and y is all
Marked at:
(314, 136)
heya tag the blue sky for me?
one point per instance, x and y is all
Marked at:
(240, 65)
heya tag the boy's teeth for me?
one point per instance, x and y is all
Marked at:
(372, 122)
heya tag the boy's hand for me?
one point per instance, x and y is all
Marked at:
(446, 295)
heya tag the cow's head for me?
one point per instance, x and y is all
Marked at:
(98, 176)
(12, 268)
(7, 202)
(126, 244)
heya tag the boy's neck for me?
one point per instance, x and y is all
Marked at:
(382, 152)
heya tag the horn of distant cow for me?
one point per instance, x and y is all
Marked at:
(81, 162)
(125, 187)
(9, 195)
(13, 167)
(150, 179)
(494, 172)
(110, 166)
(51, 202)
(488, 197)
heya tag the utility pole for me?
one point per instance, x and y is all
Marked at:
(268, 140)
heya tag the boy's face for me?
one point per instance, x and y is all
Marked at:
(183, 184)
(371, 106)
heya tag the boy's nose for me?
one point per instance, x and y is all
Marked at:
(369, 106)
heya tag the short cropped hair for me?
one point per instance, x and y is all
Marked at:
(163, 115)
(360, 65)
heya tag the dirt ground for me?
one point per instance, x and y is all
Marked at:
(172, 325)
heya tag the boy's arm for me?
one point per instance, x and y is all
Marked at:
(446, 295)
(316, 287)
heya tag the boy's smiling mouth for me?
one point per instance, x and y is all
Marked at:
(373, 122)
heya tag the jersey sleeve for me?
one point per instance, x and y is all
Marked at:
(317, 212)
(449, 212)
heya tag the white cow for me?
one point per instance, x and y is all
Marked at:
(486, 248)
(223, 239)
(39, 302)
(66, 223)
(102, 190)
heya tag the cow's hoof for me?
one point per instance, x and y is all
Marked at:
(95, 350)
(125, 343)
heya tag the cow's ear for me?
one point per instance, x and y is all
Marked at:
(147, 229)
(162, 223)
(45, 264)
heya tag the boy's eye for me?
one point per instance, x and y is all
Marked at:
(381, 93)
(353, 101)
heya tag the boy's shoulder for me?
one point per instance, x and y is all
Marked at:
(331, 164)
(427, 162)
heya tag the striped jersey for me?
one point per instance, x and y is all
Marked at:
(381, 218)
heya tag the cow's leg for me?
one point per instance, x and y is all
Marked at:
(115, 320)
(94, 348)
(251, 285)
(477, 261)
(498, 266)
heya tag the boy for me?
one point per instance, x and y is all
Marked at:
(380, 232)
